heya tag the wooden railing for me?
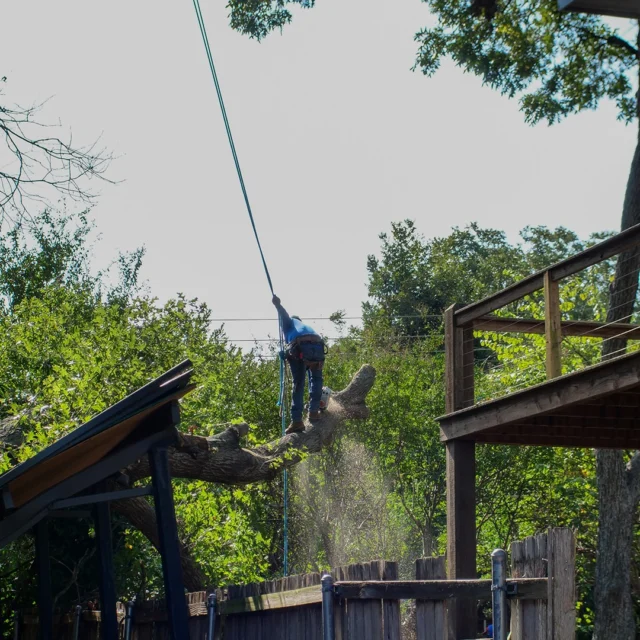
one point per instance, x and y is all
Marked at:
(462, 321)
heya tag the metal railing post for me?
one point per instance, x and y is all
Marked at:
(328, 625)
(128, 621)
(211, 615)
(76, 622)
(16, 628)
(499, 594)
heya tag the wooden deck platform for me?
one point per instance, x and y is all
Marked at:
(596, 407)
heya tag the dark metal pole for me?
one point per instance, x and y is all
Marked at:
(76, 622)
(16, 627)
(169, 544)
(499, 594)
(108, 614)
(211, 615)
(128, 620)
(328, 624)
(45, 600)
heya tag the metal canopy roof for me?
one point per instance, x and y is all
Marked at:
(618, 8)
(91, 453)
(596, 407)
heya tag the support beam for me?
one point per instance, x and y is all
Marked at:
(552, 326)
(461, 462)
(43, 566)
(109, 619)
(169, 545)
(27, 516)
(105, 496)
(461, 532)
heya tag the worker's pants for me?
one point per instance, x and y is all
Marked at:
(298, 371)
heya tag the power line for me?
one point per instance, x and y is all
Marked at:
(438, 316)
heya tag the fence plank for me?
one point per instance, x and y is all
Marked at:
(540, 571)
(355, 608)
(517, 571)
(340, 610)
(374, 611)
(430, 614)
(561, 607)
(390, 608)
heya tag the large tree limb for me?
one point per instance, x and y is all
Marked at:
(221, 459)
(142, 516)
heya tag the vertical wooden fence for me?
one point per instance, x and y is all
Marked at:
(367, 602)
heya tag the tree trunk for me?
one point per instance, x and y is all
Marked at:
(618, 484)
(221, 459)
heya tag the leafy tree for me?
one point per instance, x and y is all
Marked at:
(557, 64)
(414, 280)
(257, 18)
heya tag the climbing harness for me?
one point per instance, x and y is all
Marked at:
(281, 398)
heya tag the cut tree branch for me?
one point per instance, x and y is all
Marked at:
(221, 459)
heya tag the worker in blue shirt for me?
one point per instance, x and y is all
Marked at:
(305, 354)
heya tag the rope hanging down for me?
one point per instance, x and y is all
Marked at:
(281, 399)
(205, 39)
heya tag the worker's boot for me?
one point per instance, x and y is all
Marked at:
(314, 416)
(295, 427)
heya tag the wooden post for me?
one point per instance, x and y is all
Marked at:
(108, 617)
(169, 545)
(430, 614)
(45, 600)
(461, 477)
(561, 599)
(552, 326)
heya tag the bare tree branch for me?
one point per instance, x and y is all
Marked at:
(34, 165)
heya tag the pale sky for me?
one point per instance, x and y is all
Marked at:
(337, 137)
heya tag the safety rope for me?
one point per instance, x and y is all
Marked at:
(281, 398)
(205, 39)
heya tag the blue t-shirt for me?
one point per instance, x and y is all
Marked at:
(293, 328)
(296, 329)
(490, 631)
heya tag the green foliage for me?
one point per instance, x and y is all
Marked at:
(257, 18)
(414, 280)
(556, 63)
(69, 347)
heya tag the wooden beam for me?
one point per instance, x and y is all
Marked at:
(43, 567)
(109, 621)
(572, 328)
(106, 496)
(459, 363)
(552, 331)
(461, 461)
(270, 601)
(461, 532)
(569, 442)
(169, 543)
(589, 384)
(612, 246)
(435, 590)
(27, 516)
